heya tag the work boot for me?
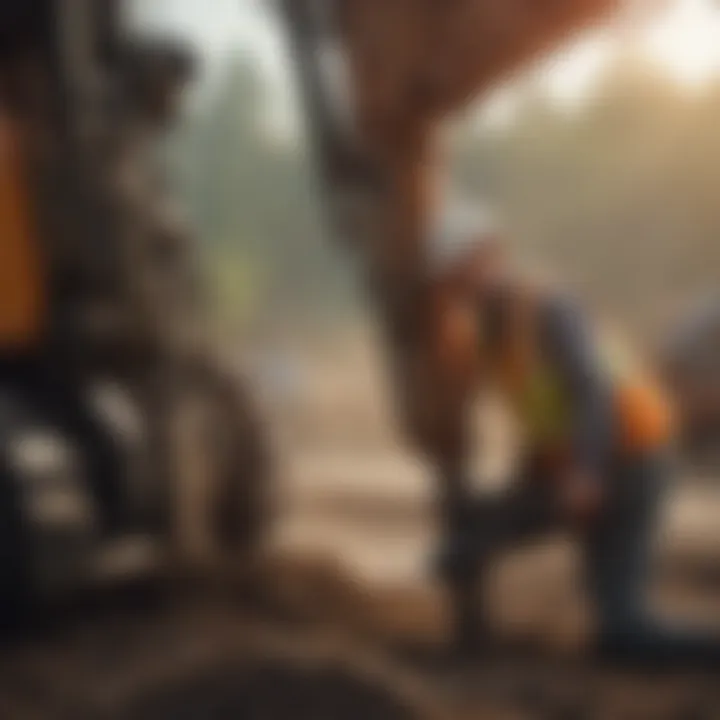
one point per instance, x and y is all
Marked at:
(469, 630)
(457, 565)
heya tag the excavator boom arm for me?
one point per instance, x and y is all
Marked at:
(408, 64)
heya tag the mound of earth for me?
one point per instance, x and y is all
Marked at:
(316, 643)
(275, 689)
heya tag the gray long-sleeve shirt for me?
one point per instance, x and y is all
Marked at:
(568, 344)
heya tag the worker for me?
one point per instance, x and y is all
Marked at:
(598, 433)
(36, 360)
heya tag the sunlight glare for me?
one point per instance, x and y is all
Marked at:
(686, 41)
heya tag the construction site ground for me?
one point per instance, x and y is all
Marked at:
(344, 620)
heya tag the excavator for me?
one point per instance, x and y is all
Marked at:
(378, 78)
(125, 321)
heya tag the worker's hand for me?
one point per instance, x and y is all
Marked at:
(581, 498)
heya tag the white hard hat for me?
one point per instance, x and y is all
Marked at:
(456, 231)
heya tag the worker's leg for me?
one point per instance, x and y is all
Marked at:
(619, 554)
(489, 524)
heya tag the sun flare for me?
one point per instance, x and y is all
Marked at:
(686, 41)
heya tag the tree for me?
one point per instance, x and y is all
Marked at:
(252, 198)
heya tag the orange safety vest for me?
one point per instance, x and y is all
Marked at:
(536, 392)
(22, 278)
(643, 408)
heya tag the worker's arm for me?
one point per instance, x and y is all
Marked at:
(568, 345)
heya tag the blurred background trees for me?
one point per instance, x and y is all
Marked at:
(620, 193)
(251, 197)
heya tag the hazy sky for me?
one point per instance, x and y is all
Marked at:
(218, 28)
(684, 40)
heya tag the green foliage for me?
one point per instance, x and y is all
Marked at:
(620, 194)
(251, 196)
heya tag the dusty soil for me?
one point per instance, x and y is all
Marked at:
(342, 620)
(317, 643)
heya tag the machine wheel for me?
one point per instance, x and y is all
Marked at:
(15, 577)
(240, 502)
(244, 502)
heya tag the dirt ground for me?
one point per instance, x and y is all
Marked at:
(343, 620)
(381, 531)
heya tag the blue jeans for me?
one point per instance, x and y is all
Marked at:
(617, 553)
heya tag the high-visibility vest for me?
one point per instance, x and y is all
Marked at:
(22, 277)
(537, 395)
(642, 406)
